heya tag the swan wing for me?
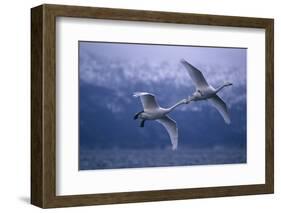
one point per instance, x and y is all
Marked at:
(219, 104)
(148, 100)
(196, 75)
(171, 127)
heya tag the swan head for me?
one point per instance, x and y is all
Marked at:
(227, 83)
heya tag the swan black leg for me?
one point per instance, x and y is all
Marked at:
(137, 115)
(142, 123)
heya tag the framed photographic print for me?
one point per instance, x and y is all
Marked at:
(135, 106)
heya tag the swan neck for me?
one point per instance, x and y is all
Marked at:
(175, 105)
(220, 88)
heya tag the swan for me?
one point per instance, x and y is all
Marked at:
(152, 111)
(204, 91)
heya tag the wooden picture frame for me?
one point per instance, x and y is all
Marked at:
(43, 105)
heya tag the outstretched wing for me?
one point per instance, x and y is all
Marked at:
(219, 104)
(196, 75)
(171, 127)
(148, 100)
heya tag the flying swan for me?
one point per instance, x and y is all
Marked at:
(152, 111)
(204, 91)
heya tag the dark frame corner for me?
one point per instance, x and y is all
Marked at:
(43, 110)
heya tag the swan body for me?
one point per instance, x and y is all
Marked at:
(204, 91)
(152, 111)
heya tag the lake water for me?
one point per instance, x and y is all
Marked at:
(129, 158)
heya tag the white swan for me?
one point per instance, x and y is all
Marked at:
(152, 111)
(204, 91)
